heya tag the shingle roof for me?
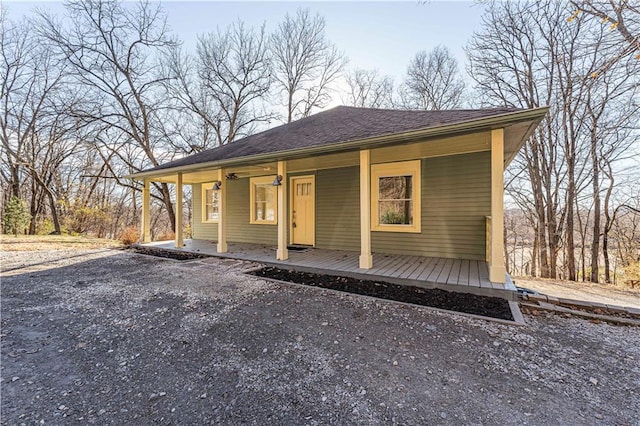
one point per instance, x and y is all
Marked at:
(339, 124)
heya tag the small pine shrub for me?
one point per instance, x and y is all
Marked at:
(130, 235)
(16, 216)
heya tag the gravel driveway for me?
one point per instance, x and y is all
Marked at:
(107, 337)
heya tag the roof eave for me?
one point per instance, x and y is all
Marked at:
(535, 115)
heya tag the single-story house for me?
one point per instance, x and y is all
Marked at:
(412, 183)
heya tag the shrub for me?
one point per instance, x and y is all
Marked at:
(45, 227)
(130, 235)
(16, 216)
(167, 235)
(393, 218)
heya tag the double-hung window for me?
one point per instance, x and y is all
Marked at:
(210, 203)
(264, 205)
(395, 197)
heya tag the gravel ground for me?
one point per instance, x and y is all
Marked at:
(106, 337)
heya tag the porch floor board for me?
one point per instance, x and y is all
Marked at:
(428, 272)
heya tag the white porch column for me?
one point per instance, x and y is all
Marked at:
(179, 238)
(146, 216)
(497, 270)
(366, 259)
(282, 253)
(222, 214)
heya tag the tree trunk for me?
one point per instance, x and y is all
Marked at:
(54, 213)
(33, 209)
(571, 247)
(534, 253)
(166, 198)
(595, 242)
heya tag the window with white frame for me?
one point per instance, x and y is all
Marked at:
(264, 204)
(210, 203)
(395, 196)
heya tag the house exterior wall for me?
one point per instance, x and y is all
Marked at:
(338, 209)
(456, 198)
(199, 230)
(239, 230)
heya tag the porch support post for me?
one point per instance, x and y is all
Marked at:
(497, 270)
(366, 259)
(282, 253)
(222, 214)
(146, 216)
(179, 241)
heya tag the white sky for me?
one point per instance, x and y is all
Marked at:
(382, 35)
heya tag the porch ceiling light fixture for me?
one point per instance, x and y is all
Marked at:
(217, 185)
(277, 181)
(231, 176)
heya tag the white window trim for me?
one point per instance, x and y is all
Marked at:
(205, 187)
(404, 168)
(268, 180)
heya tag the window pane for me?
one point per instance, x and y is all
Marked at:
(212, 212)
(395, 188)
(261, 193)
(270, 210)
(395, 212)
(264, 202)
(394, 200)
(211, 205)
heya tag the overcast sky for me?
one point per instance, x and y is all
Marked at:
(382, 35)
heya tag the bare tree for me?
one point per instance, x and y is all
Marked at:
(305, 63)
(367, 88)
(225, 85)
(622, 16)
(529, 55)
(433, 81)
(35, 123)
(111, 50)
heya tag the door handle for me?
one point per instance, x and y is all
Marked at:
(294, 224)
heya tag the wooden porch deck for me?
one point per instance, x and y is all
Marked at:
(470, 276)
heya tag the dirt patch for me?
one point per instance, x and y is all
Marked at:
(493, 307)
(112, 337)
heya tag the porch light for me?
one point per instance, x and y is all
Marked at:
(277, 181)
(217, 185)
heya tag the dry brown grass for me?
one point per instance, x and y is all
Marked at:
(130, 235)
(601, 293)
(52, 242)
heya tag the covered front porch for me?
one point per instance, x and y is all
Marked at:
(470, 276)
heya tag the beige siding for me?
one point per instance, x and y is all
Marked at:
(456, 198)
(338, 209)
(201, 231)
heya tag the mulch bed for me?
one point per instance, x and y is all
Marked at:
(168, 254)
(494, 307)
